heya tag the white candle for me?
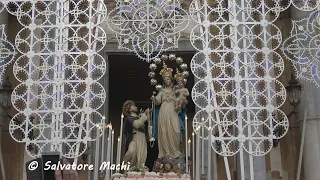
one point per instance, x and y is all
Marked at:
(103, 140)
(209, 153)
(193, 159)
(198, 154)
(189, 144)
(96, 156)
(186, 135)
(121, 132)
(202, 149)
(118, 153)
(112, 142)
(188, 152)
(109, 151)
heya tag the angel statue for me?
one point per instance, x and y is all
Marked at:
(136, 144)
(167, 118)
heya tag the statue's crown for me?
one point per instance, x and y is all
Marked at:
(165, 71)
(178, 76)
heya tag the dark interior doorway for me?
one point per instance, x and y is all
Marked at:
(128, 79)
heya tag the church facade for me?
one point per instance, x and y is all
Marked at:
(297, 152)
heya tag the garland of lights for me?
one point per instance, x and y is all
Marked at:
(172, 57)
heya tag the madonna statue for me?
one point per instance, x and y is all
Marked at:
(168, 119)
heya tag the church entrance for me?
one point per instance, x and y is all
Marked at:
(128, 80)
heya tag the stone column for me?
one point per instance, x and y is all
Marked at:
(310, 99)
(3, 20)
(311, 153)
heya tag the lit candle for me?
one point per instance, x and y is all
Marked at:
(96, 157)
(109, 151)
(189, 144)
(103, 140)
(209, 153)
(112, 142)
(198, 154)
(202, 149)
(118, 153)
(121, 132)
(186, 135)
(193, 159)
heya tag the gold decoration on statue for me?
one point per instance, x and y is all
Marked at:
(178, 76)
(165, 71)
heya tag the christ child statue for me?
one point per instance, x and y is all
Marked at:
(180, 91)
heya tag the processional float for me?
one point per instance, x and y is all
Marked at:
(59, 71)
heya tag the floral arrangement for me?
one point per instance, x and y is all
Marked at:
(150, 175)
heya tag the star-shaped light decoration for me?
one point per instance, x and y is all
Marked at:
(302, 48)
(7, 52)
(148, 27)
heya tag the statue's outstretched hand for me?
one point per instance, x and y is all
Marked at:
(147, 111)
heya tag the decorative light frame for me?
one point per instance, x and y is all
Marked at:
(59, 94)
(229, 92)
(148, 27)
(7, 51)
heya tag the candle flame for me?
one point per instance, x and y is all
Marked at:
(202, 119)
(103, 117)
(122, 116)
(189, 141)
(112, 131)
(118, 139)
(192, 134)
(186, 118)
